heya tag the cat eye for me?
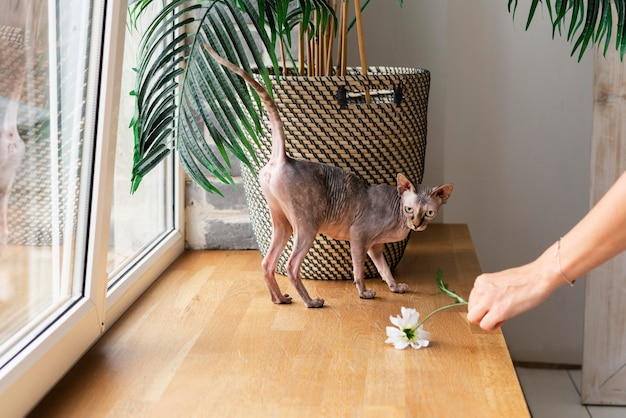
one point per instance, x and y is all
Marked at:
(430, 213)
(408, 209)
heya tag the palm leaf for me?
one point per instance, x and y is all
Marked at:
(181, 93)
(587, 22)
(185, 100)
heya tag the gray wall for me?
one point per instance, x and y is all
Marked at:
(510, 124)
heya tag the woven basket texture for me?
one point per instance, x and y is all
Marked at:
(327, 120)
(30, 212)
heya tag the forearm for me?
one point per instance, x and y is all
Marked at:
(599, 236)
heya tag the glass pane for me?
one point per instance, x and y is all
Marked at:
(46, 93)
(138, 221)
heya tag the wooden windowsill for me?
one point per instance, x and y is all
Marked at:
(205, 340)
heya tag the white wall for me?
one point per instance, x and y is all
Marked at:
(510, 124)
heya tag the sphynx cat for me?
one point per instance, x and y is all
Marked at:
(12, 149)
(307, 198)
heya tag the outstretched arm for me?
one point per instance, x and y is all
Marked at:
(598, 237)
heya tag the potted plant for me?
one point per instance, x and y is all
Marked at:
(183, 94)
(371, 121)
(248, 33)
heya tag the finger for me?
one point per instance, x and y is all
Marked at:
(490, 322)
(475, 309)
(475, 315)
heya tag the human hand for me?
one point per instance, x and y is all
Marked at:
(499, 296)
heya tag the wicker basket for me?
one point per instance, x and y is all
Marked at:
(29, 218)
(327, 120)
(30, 211)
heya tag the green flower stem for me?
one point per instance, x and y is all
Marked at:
(453, 305)
(444, 288)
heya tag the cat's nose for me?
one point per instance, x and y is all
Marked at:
(421, 226)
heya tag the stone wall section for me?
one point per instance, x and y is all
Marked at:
(216, 222)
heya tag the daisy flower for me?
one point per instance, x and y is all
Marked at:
(407, 332)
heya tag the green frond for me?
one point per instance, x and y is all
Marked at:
(587, 22)
(185, 100)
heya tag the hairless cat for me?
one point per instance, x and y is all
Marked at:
(306, 198)
(12, 149)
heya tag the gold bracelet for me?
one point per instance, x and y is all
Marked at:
(558, 262)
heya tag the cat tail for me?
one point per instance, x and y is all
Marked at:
(278, 134)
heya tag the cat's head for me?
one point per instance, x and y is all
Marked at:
(420, 204)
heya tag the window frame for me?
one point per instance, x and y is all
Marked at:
(27, 378)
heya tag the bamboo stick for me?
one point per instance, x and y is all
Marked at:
(312, 46)
(328, 58)
(344, 37)
(331, 43)
(282, 57)
(359, 30)
(300, 51)
(322, 54)
(339, 42)
(309, 69)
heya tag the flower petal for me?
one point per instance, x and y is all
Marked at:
(410, 317)
(418, 344)
(396, 337)
(401, 345)
(423, 335)
(421, 339)
(394, 332)
(396, 320)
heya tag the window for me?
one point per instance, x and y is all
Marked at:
(67, 271)
(140, 223)
(46, 171)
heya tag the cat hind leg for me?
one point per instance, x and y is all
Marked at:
(302, 242)
(281, 231)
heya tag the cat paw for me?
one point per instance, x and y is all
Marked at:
(281, 299)
(367, 294)
(399, 288)
(315, 303)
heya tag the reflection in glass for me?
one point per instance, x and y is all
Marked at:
(45, 142)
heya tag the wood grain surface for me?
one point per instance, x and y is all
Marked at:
(206, 341)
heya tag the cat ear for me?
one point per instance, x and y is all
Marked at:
(404, 184)
(443, 192)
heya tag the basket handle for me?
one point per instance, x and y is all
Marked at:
(378, 96)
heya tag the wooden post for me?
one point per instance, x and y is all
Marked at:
(604, 356)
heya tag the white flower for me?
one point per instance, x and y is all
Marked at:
(408, 332)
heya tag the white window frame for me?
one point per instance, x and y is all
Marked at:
(35, 370)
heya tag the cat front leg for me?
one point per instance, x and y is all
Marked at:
(357, 251)
(376, 254)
